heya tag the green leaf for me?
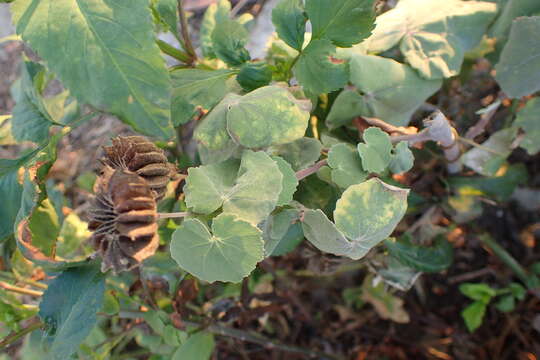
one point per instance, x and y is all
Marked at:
(348, 105)
(69, 308)
(527, 119)
(250, 192)
(397, 274)
(30, 120)
(215, 13)
(518, 69)
(12, 311)
(168, 12)
(73, 233)
(474, 315)
(433, 35)
(518, 291)
(391, 91)
(430, 259)
(193, 89)
(290, 22)
(212, 132)
(282, 232)
(108, 60)
(376, 152)
(267, 116)
(365, 215)
(344, 22)
(346, 165)
(10, 193)
(506, 303)
(254, 75)
(229, 253)
(301, 153)
(368, 213)
(228, 40)
(318, 70)
(402, 158)
(479, 292)
(198, 346)
(45, 227)
(289, 183)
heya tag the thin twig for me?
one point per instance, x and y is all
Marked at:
(184, 32)
(10, 339)
(485, 118)
(20, 290)
(173, 215)
(18, 278)
(311, 170)
(386, 126)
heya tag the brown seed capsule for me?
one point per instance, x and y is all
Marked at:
(123, 219)
(137, 154)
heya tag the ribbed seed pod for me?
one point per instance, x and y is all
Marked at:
(123, 219)
(137, 154)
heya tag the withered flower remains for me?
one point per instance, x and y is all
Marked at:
(123, 219)
(136, 154)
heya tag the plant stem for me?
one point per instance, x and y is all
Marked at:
(244, 336)
(10, 339)
(184, 33)
(311, 170)
(172, 215)
(20, 290)
(23, 280)
(509, 261)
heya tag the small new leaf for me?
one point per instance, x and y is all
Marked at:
(376, 151)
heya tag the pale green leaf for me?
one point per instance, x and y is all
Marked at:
(216, 12)
(368, 213)
(528, 119)
(250, 192)
(348, 105)
(44, 226)
(402, 158)
(73, 233)
(518, 71)
(194, 89)
(69, 308)
(301, 153)
(324, 235)
(198, 346)
(318, 70)
(434, 258)
(229, 253)
(376, 151)
(228, 42)
(391, 91)
(508, 11)
(267, 116)
(212, 131)
(107, 59)
(289, 184)
(433, 35)
(344, 22)
(346, 165)
(290, 22)
(491, 156)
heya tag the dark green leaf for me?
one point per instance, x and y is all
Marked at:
(506, 303)
(290, 22)
(167, 10)
(198, 346)
(107, 59)
(69, 308)
(254, 75)
(282, 232)
(318, 70)
(344, 22)
(518, 71)
(435, 258)
(300, 153)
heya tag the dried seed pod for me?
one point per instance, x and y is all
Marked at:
(137, 154)
(123, 219)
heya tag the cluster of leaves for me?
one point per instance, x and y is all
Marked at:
(278, 158)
